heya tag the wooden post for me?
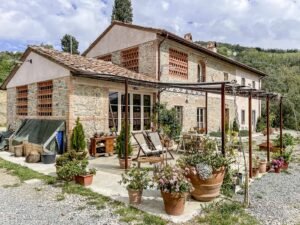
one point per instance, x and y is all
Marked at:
(206, 121)
(281, 124)
(126, 124)
(268, 127)
(223, 118)
(250, 133)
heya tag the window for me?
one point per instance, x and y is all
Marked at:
(22, 101)
(178, 63)
(253, 119)
(243, 81)
(137, 112)
(113, 110)
(130, 59)
(179, 114)
(201, 72)
(147, 112)
(45, 98)
(123, 110)
(253, 84)
(226, 77)
(201, 117)
(106, 58)
(243, 117)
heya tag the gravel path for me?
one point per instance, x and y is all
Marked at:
(34, 203)
(275, 198)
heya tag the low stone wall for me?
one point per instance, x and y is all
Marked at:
(3, 106)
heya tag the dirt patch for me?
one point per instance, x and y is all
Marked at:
(7, 179)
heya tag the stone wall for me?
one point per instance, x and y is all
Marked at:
(3, 107)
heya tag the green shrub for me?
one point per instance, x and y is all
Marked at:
(260, 125)
(78, 142)
(287, 140)
(235, 126)
(215, 134)
(244, 133)
(120, 144)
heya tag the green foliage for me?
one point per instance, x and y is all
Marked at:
(235, 126)
(168, 120)
(215, 134)
(260, 125)
(47, 46)
(244, 133)
(7, 61)
(287, 140)
(78, 142)
(121, 140)
(287, 154)
(122, 11)
(136, 179)
(66, 44)
(226, 188)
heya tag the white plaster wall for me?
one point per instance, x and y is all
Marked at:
(120, 37)
(41, 69)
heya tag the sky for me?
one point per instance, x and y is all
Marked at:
(254, 23)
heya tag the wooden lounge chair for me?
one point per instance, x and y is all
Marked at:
(155, 140)
(144, 147)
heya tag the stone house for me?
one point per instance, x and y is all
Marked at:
(167, 57)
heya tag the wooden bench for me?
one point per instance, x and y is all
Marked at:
(150, 159)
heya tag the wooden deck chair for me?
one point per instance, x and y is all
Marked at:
(143, 146)
(155, 139)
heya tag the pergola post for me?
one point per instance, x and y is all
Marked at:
(268, 127)
(281, 125)
(223, 118)
(250, 132)
(206, 121)
(126, 124)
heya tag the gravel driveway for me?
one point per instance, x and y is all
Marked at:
(33, 203)
(275, 198)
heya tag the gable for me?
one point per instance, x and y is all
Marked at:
(41, 69)
(115, 39)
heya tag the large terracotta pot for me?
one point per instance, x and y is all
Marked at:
(207, 190)
(277, 170)
(263, 166)
(135, 196)
(84, 180)
(285, 166)
(255, 172)
(174, 203)
(122, 163)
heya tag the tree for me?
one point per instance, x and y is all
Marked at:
(49, 46)
(66, 43)
(122, 11)
(78, 142)
(121, 142)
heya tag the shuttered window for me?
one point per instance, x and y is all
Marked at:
(22, 101)
(178, 63)
(106, 58)
(130, 59)
(45, 90)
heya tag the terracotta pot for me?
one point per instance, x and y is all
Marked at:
(84, 180)
(255, 172)
(122, 163)
(263, 166)
(277, 170)
(207, 190)
(135, 196)
(174, 203)
(285, 166)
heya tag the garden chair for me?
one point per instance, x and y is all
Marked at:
(144, 146)
(155, 140)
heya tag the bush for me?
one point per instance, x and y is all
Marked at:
(120, 145)
(215, 134)
(78, 142)
(260, 125)
(287, 140)
(68, 171)
(244, 133)
(235, 126)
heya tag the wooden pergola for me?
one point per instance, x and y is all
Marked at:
(222, 88)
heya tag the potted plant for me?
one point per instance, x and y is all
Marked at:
(255, 166)
(78, 142)
(136, 180)
(83, 176)
(174, 187)
(287, 156)
(206, 171)
(277, 164)
(262, 165)
(120, 147)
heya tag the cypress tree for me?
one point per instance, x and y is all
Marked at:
(78, 142)
(122, 11)
(66, 44)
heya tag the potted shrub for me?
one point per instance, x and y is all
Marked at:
(174, 187)
(206, 171)
(120, 147)
(277, 164)
(287, 156)
(136, 180)
(84, 176)
(78, 142)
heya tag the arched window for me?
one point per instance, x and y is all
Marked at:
(201, 72)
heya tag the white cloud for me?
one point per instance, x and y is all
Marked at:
(264, 23)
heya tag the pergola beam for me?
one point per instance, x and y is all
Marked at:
(223, 118)
(250, 133)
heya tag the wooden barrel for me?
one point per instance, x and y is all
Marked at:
(209, 189)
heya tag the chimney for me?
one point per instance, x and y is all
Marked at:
(188, 37)
(212, 46)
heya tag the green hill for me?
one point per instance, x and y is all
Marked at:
(7, 61)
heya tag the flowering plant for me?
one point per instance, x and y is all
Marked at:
(136, 179)
(277, 163)
(172, 180)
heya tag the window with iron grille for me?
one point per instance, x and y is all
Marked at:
(178, 63)
(45, 90)
(22, 101)
(106, 58)
(130, 59)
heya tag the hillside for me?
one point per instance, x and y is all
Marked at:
(7, 62)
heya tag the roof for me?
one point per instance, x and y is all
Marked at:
(178, 39)
(78, 64)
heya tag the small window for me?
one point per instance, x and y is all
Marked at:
(243, 81)
(179, 114)
(201, 117)
(201, 72)
(106, 58)
(22, 101)
(45, 90)
(113, 110)
(243, 117)
(147, 112)
(253, 84)
(226, 78)
(178, 63)
(130, 59)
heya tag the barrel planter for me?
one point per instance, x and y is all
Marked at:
(209, 189)
(174, 203)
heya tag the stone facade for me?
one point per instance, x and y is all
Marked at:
(3, 104)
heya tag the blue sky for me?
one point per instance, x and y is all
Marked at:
(263, 23)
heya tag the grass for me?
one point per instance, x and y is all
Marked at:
(11, 185)
(127, 213)
(226, 213)
(60, 197)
